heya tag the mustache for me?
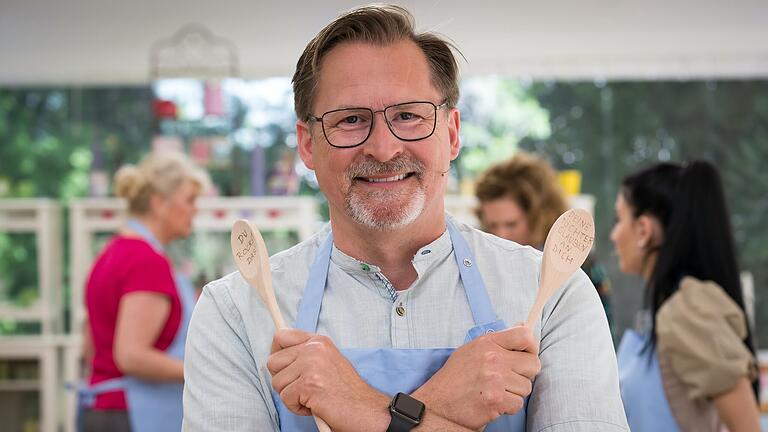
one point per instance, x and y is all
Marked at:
(370, 167)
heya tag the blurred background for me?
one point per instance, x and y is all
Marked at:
(599, 88)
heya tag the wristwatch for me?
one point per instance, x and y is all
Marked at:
(406, 413)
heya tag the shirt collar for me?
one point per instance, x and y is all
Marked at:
(425, 258)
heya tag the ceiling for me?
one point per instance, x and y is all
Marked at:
(109, 41)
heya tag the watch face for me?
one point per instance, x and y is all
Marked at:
(408, 406)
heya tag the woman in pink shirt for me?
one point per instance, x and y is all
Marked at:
(138, 310)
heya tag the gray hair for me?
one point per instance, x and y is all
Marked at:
(379, 25)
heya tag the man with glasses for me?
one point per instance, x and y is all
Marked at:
(404, 318)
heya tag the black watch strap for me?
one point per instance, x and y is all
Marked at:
(406, 413)
(400, 424)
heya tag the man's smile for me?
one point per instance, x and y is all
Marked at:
(386, 179)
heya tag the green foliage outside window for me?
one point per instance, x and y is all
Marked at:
(50, 138)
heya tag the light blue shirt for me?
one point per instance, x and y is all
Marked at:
(227, 384)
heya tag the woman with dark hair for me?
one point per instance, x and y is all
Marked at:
(692, 366)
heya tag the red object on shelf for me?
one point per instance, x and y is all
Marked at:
(108, 214)
(273, 213)
(219, 214)
(164, 109)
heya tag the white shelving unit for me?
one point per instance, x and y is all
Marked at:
(40, 217)
(92, 216)
(43, 350)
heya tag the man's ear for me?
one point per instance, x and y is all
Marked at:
(454, 125)
(304, 142)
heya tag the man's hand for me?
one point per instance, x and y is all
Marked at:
(313, 377)
(485, 378)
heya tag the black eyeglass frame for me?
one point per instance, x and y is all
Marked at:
(386, 120)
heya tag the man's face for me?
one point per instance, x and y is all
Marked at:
(385, 183)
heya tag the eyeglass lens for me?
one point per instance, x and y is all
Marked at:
(351, 127)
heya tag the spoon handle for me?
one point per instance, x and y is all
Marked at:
(277, 318)
(322, 426)
(274, 311)
(252, 261)
(535, 312)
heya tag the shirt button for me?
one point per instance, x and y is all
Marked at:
(425, 251)
(400, 310)
(365, 267)
(467, 262)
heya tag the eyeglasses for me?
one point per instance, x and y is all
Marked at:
(351, 127)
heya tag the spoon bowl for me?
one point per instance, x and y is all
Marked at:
(252, 260)
(568, 243)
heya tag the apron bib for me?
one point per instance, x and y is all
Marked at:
(642, 390)
(152, 406)
(399, 370)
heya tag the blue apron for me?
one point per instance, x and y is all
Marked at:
(642, 390)
(399, 370)
(152, 406)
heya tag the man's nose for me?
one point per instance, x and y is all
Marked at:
(382, 145)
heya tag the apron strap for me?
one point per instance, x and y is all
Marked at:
(87, 394)
(184, 288)
(186, 294)
(309, 306)
(144, 232)
(477, 295)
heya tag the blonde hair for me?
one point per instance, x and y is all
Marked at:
(532, 183)
(381, 25)
(158, 173)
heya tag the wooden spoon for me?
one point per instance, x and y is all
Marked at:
(567, 246)
(252, 261)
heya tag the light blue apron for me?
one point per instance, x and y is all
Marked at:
(642, 390)
(399, 370)
(152, 406)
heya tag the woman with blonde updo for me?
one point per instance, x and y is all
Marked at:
(520, 199)
(138, 310)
